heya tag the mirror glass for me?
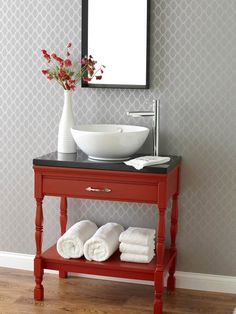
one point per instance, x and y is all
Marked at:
(115, 33)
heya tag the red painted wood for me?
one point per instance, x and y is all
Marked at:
(63, 214)
(173, 233)
(38, 269)
(112, 267)
(130, 192)
(63, 223)
(172, 184)
(125, 186)
(160, 266)
(93, 174)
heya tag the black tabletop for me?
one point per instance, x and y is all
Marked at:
(80, 160)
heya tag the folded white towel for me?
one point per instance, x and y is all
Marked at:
(143, 161)
(135, 258)
(103, 243)
(140, 236)
(137, 249)
(71, 244)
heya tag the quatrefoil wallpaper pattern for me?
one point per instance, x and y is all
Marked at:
(193, 71)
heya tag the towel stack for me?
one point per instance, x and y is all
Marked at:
(137, 245)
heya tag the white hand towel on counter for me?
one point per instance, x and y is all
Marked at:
(103, 243)
(136, 258)
(137, 249)
(140, 236)
(144, 161)
(71, 243)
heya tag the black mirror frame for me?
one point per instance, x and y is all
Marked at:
(84, 51)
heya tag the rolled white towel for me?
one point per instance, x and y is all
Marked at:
(137, 249)
(71, 243)
(140, 236)
(103, 243)
(135, 258)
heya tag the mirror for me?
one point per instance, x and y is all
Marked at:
(116, 34)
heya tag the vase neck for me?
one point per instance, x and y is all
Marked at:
(67, 93)
(67, 98)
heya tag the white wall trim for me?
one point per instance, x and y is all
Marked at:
(185, 280)
(16, 260)
(206, 282)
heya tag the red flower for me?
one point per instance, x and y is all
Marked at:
(47, 56)
(90, 71)
(44, 51)
(63, 75)
(67, 86)
(69, 45)
(98, 77)
(67, 54)
(87, 79)
(54, 56)
(83, 61)
(70, 85)
(61, 72)
(68, 63)
(49, 77)
(60, 60)
(45, 72)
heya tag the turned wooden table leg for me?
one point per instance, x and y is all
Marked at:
(38, 267)
(173, 233)
(63, 223)
(159, 272)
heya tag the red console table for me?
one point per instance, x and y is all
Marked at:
(70, 176)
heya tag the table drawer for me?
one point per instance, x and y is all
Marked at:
(101, 190)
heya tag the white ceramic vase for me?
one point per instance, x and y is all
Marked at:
(66, 143)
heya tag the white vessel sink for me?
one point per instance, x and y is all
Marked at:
(109, 141)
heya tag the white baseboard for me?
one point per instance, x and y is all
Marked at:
(206, 282)
(16, 260)
(185, 280)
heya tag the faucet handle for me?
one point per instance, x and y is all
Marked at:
(136, 114)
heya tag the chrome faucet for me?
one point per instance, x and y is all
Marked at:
(156, 122)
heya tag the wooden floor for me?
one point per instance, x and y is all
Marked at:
(87, 296)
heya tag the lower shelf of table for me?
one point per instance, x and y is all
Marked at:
(113, 267)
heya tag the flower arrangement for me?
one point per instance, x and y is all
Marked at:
(65, 72)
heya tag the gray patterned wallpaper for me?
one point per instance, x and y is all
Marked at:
(193, 71)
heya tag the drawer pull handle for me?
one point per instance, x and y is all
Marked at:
(90, 189)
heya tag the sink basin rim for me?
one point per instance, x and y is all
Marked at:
(118, 128)
(97, 128)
